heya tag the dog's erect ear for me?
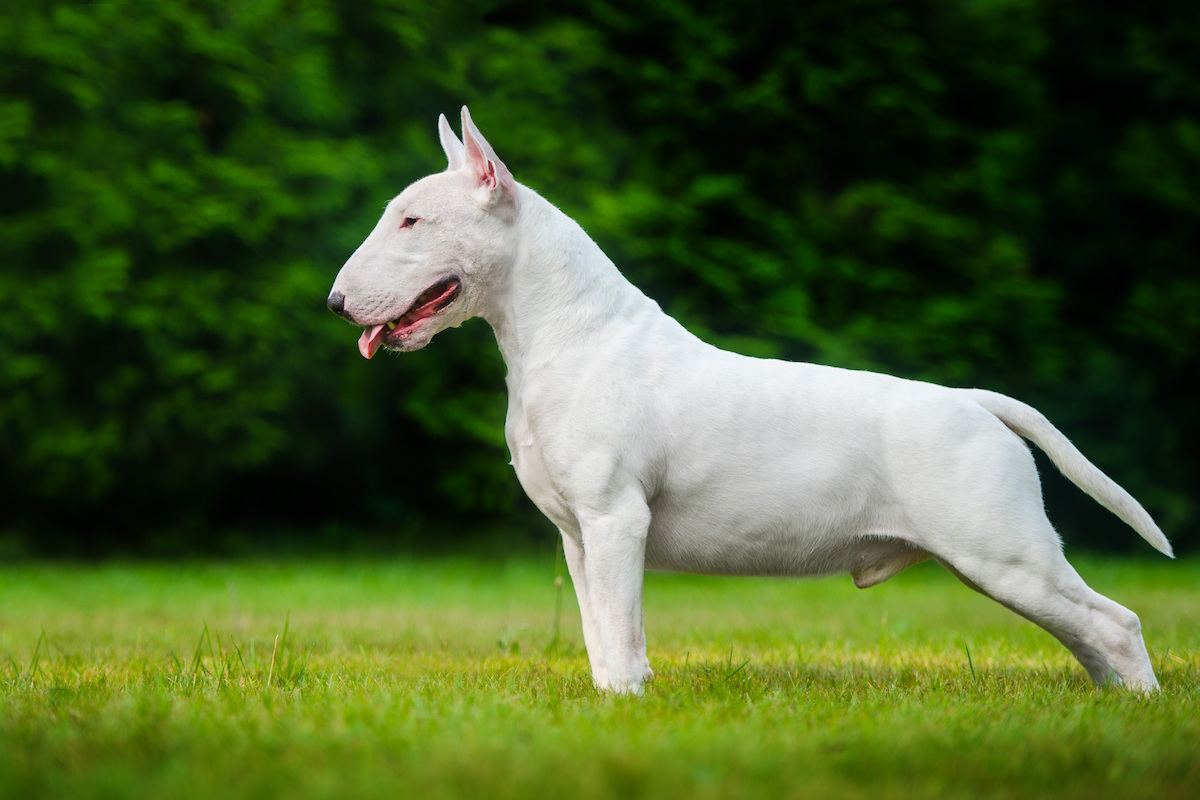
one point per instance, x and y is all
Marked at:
(456, 154)
(495, 183)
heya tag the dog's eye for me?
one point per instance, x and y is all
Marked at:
(409, 222)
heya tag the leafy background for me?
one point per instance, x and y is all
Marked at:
(999, 193)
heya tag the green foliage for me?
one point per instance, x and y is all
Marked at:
(996, 193)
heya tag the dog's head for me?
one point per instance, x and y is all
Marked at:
(438, 254)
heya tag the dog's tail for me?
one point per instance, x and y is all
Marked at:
(1029, 423)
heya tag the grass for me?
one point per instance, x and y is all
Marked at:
(445, 678)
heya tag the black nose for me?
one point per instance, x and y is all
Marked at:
(337, 303)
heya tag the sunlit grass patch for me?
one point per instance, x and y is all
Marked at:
(445, 678)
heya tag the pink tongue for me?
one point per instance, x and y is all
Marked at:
(371, 340)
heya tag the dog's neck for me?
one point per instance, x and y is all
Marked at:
(561, 289)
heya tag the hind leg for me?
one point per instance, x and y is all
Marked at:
(975, 502)
(1038, 583)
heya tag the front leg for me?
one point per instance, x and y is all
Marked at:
(576, 566)
(614, 565)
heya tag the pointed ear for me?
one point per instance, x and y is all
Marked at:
(455, 153)
(494, 183)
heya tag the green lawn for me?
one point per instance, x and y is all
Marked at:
(442, 678)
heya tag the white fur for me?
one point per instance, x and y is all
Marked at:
(650, 449)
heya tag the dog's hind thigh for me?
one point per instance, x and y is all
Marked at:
(1034, 579)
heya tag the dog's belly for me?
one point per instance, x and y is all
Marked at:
(869, 559)
(704, 540)
(672, 552)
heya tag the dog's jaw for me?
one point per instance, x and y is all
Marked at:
(402, 332)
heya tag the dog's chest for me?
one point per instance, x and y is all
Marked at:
(530, 466)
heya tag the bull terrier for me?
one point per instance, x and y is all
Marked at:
(651, 449)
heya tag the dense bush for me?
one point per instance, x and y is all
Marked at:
(1001, 194)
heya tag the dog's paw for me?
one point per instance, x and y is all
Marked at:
(635, 688)
(633, 683)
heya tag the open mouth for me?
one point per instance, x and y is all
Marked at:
(429, 303)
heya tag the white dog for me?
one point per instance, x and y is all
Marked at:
(650, 449)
